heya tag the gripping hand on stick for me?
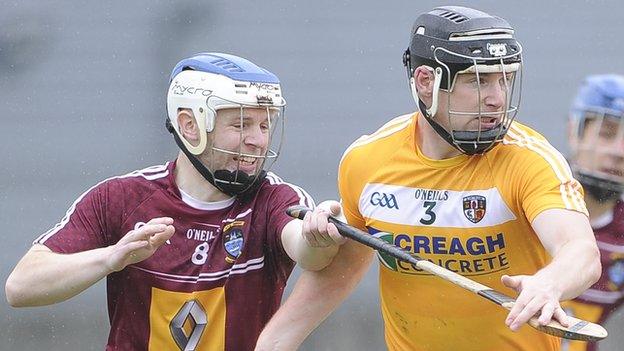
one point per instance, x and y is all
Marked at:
(317, 231)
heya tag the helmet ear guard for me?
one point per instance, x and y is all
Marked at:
(193, 89)
(200, 118)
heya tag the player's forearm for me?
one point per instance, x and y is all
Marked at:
(313, 258)
(569, 239)
(299, 250)
(44, 277)
(296, 319)
(574, 268)
(314, 297)
(307, 306)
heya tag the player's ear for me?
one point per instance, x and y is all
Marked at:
(188, 126)
(424, 79)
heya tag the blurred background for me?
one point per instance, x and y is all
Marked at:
(82, 97)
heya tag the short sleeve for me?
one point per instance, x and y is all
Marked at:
(547, 183)
(87, 223)
(284, 196)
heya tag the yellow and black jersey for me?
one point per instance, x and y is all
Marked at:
(469, 214)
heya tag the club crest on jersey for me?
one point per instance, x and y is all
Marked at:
(474, 208)
(233, 240)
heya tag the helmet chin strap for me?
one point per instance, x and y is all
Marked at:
(438, 128)
(601, 195)
(234, 183)
(602, 190)
(430, 112)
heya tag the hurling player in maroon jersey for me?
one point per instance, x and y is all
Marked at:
(597, 144)
(196, 252)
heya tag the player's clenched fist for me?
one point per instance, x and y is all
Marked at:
(317, 231)
(141, 243)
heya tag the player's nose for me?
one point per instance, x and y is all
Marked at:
(496, 95)
(255, 136)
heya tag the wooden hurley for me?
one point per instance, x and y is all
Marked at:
(578, 329)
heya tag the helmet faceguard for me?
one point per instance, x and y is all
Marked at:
(597, 136)
(456, 40)
(237, 180)
(208, 84)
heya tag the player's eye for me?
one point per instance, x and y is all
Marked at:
(608, 133)
(507, 79)
(479, 81)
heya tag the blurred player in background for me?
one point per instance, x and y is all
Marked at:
(197, 251)
(597, 160)
(462, 184)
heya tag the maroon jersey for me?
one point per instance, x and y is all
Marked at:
(603, 298)
(212, 286)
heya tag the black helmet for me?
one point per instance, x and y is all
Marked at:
(452, 40)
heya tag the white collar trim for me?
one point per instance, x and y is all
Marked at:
(204, 205)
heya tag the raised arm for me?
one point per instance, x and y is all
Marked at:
(43, 277)
(575, 266)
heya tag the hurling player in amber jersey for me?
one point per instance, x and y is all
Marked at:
(463, 185)
(196, 252)
(597, 160)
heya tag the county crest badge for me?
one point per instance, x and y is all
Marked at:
(474, 208)
(233, 240)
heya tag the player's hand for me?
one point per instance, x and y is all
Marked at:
(139, 244)
(317, 231)
(538, 297)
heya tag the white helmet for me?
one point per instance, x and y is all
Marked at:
(208, 82)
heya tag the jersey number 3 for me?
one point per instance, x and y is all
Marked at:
(430, 216)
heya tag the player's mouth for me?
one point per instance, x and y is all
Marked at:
(487, 123)
(246, 164)
(246, 160)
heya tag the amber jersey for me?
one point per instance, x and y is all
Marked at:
(213, 286)
(607, 295)
(469, 214)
